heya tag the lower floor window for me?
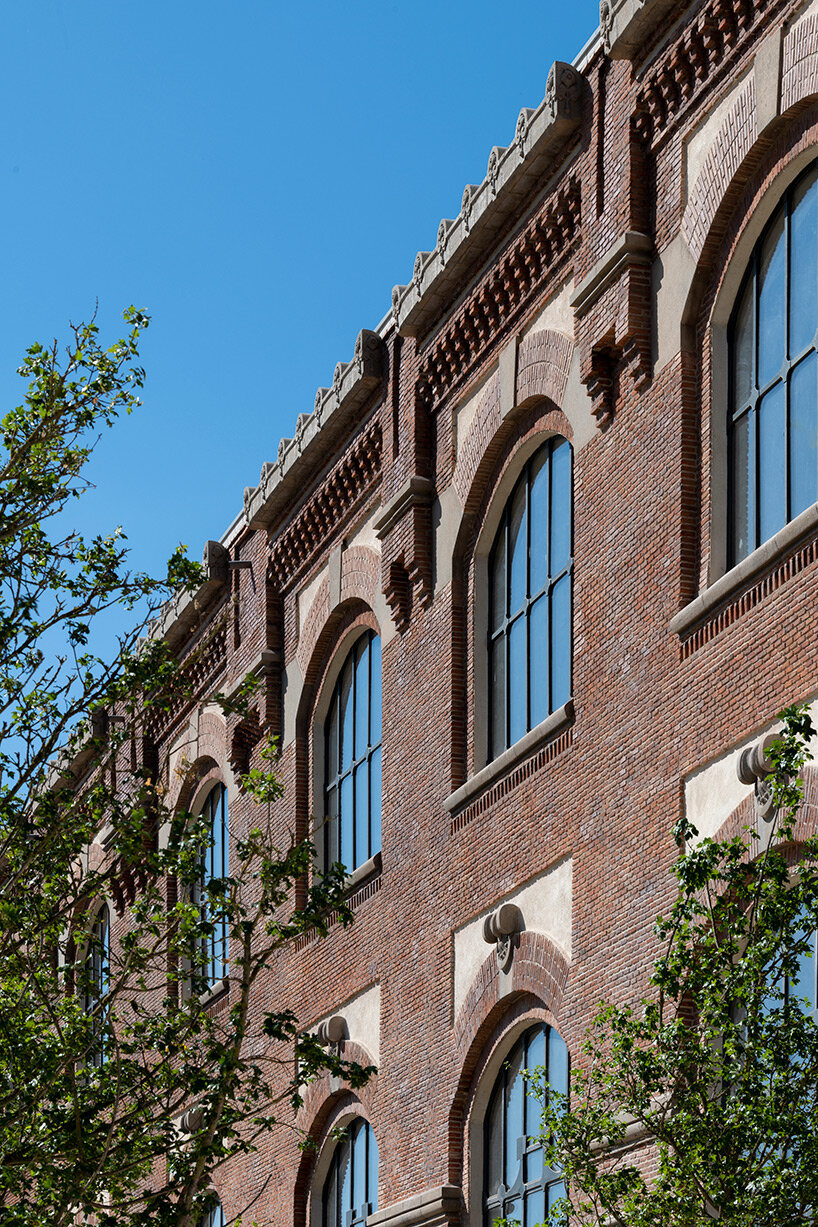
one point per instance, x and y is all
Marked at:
(518, 1186)
(351, 1188)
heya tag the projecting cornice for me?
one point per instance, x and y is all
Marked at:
(513, 173)
(626, 25)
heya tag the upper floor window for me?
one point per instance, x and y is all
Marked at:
(517, 1184)
(214, 1216)
(774, 374)
(352, 757)
(97, 975)
(351, 1188)
(530, 576)
(215, 867)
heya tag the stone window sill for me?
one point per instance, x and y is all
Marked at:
(215, 991)
(734, 579)
(359, 875)
(521, 749)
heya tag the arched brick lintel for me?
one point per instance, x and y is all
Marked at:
(326, 1101)
(360, 580)
(806, 826)
(740, 139)
(543, 365)
(539, 968)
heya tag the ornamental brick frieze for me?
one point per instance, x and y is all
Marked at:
(337, 497)
(508, 289)
(703, 52)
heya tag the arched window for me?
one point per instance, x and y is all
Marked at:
(215, 866)
(352, 749)
(530, 575)
(214, 1216)
(517, 1184)
(774, 374)
(97, 975)
(351, 1187)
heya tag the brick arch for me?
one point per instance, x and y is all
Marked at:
(325, 1101)
(360, 581)
(208, 753)
(806, 826)
(543, 364)
(799, 69)
(539, 969)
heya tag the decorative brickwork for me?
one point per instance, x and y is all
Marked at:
(736, 138)
(538, 251)
(799, 77)
(317, 522)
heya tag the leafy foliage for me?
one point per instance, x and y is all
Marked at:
(95, 1078)
(703, 1103)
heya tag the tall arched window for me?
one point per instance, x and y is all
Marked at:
(517, 1184)
(352, 749)
(774, 374)
(214, 1216)
(215, 866)
(97, 975)
(351, 1187)
(530, 575)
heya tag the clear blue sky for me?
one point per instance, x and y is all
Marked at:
(255, 175)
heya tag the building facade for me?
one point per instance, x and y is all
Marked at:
(535, 569)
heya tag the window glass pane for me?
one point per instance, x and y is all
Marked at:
(772, 443)
(498, 580)
(539, 660)
(518, 550)
(539, 521)
(359, 1167)
(518, 677)
(332, 742)
(743, 346)
(375, 691)
(375, 803)
(772, 304)
(494, 1145)
(535, 1211)
(803, 441)
(361, 697)
(346, 715)
(515, 1092)
(534, 1060)
(372, 1191)
(331, 828)
(346, 819)
(561, 642)
(533, 1165)
(557, 1062)
(560, 507)
(556, 1193)
(743, 465)
(344, 1179)
(803, 985)
(331, 1198)
(803, 264)
(361, 803)
(513, 1211)
(498, 695)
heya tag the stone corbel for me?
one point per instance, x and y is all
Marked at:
(756, 767)
(332, 1031)
(405, 528)
(500, 930)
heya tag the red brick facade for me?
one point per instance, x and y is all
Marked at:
(582, 291)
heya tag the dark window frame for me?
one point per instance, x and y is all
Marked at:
(214, 866)
(749, 407)
(366, 840)
(497, 744)
(97, 978)
(499, 1203)
(351, 1215)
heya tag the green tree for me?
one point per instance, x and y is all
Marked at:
(102, 1053)
(702, 1103)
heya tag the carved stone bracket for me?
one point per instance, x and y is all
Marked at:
(405, 528)
(500, 930)
(756, 767)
